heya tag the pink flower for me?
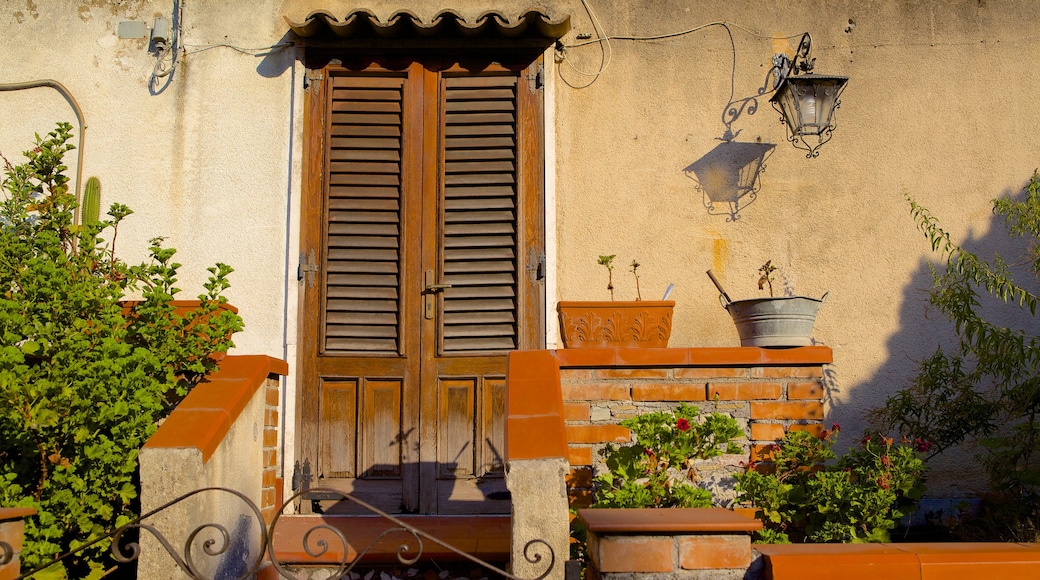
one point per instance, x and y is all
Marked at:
(922, 446)
(682, 425)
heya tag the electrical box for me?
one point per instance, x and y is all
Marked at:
(161, 31)
(132, 29)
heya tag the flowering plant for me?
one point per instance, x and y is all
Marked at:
(657, 469)
(806, 496)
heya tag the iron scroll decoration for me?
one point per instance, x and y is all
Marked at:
(407, 554)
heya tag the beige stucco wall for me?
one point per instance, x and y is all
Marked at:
(939, 105)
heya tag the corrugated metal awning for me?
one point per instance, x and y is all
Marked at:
(363, 23)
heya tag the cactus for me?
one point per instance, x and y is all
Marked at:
(90, 209)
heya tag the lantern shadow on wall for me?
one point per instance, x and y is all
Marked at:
(728, 176)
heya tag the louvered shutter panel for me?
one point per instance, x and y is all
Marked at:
(363, 234)
(480, 213)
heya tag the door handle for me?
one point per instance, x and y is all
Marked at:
(431, 294)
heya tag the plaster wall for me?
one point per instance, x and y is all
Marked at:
(167, 473)
(939, 106)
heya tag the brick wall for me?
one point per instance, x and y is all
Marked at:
(768, 391)
(271, 490)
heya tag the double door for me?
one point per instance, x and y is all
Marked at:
(422, 267)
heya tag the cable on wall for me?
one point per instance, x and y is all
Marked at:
(79, 117)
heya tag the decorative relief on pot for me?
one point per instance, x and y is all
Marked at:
(642, 323)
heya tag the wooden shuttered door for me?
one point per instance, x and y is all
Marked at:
(425, 224)
(480, 213)
(363, 260)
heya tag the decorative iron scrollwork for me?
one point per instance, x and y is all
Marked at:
(407, 553)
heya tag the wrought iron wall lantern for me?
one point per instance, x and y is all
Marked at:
(806, 102)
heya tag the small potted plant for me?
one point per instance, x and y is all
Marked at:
(776, 321)
(636, 323)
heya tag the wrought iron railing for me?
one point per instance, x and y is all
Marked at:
(535, 551)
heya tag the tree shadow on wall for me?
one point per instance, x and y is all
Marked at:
(921, 330)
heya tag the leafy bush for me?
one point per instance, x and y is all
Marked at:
(657, 470)
(83, 380)
(807, 496)
(986, 389)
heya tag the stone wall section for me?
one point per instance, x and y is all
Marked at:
(766, 400)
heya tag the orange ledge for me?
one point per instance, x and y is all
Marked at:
(205, 416)
(664, 521)
(938, 561)
(713, 357)
(9, 514)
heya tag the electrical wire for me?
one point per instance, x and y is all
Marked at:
(79, 117)
(607, 51)
(197, 48)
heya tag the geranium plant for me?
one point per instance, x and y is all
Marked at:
(657, 470)
(809, 494)
(85, 379)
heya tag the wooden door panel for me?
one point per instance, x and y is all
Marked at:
(382, 429)
(455, 455)
(337, 452)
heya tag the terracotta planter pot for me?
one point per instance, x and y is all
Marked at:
(641, 323)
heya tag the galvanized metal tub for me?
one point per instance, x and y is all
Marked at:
(775, 322)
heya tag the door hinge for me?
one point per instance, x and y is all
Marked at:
(536, 78)
(536, 266)
(310, 78)
(301, 476)
(307, 268)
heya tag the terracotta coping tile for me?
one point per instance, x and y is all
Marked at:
(700, 356)
(205, 416)
(685, 520)
(8, 514)
(201, 429)
(535, 437)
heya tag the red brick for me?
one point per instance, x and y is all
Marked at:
(270, 437)
(570, 375)
(272, 398)
(767, 431)
(598, 434)
(814, 428)
(634, 554)
(714, 552)
(668, 392)
(631, 373)
(579, 455)
(808, 390)
(577, 411)
(270, 458)
(711, 373)
(579, 477)
(761, 453)
(270, 417)
(269, 478)
(799, 410)
(268, 498)
(813, 372)
(597, 392)
(580, 498)
(744, 391)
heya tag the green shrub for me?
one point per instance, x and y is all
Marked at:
(807, 496)
(657, 470)
(985, 389)
(83, 382)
